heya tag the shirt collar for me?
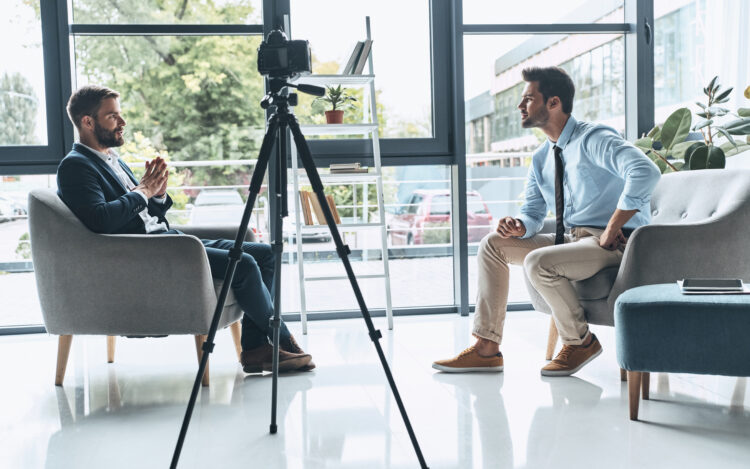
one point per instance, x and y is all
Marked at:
(104, 156)
(567, 131)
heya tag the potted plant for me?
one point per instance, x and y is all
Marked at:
(670, 142)
(340, 100)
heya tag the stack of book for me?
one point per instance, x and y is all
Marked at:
(311, 204)
(339, 168)
(358, 59)
(712, 286)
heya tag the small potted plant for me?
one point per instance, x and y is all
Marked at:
(340, 100)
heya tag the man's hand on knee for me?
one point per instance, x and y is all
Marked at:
(508, 227)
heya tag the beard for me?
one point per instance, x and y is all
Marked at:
(108, 138)
(536, 120)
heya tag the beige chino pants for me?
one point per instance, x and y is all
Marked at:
(550, 269)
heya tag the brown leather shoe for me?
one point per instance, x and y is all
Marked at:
(261, 359)
(469, 360)
(293, 347)
(572, 358)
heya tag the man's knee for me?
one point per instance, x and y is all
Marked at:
(493, 246)
(533, 262)
(245, 267)
(537, 265)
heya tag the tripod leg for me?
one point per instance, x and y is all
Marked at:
(278, 249)
(343, 252)
(235, 253)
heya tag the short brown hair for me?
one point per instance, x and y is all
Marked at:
(553, 81)
(86, 102)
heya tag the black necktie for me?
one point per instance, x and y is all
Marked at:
(559, 196)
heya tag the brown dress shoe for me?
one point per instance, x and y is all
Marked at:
(293, 347)
(261, 359)
(470, 360)
(572, 358)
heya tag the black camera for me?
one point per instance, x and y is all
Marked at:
(279, 57)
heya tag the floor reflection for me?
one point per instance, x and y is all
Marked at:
(487, 412)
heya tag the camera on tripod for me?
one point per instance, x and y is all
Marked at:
(279, 57)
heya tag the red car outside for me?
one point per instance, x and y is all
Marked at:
(426, 218)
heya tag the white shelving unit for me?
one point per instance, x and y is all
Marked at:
(369, 130)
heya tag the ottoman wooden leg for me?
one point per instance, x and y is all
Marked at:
(645, 379)
(634, 392)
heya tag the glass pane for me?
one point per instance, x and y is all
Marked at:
(542, 11)
(420, 253)
(400, 52)
(498, 148)
(167, 11)
(17, 283)
(193, 100)
(688, 53)
(22, 99)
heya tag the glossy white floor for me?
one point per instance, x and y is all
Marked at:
(128, 414)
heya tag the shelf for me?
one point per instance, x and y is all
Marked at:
(344, 177)
(343, 277)
(323, 80)
(338, 129)
(344, 226)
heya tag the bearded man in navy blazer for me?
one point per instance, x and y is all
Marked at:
(105, 195)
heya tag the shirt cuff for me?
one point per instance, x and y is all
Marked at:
(160, 200)
(138, 191)
(532, 226)
(632, 203)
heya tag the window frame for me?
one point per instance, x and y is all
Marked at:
(43, 159)
(446, 147)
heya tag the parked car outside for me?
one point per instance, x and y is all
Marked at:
(10, 209)
(213, 207)
(426, 218)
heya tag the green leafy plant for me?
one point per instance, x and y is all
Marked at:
(668, 144)
(339, 98)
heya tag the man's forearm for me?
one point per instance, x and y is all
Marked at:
(619, 218)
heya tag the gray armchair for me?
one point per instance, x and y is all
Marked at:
(132, 285)
(698, 219)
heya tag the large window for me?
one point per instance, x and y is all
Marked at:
(191, 99)
(688, 52)
(401, 53)
(22, 95)
(31, 132)
(190, 92)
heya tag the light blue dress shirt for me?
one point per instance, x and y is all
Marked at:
(603, 172)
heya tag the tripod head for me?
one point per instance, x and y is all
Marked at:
(283, 101)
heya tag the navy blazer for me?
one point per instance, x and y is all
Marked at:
(92, 190)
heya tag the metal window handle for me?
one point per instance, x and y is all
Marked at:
(648, 32)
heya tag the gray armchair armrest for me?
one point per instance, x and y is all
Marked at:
(126, 278)
(667, 253)
(214, 232)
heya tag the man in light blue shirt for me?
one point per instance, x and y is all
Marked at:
(599, 187)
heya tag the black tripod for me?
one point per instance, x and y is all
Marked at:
(278, 121)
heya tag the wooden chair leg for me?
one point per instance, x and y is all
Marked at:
(199, 339)
(236, 330)
(634, 392)
(110, 349)
(623, 375)
(551, 339)
(645, 381)
(63, 350)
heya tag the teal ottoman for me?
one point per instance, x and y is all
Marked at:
(658, 329)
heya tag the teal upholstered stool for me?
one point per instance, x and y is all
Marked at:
(659, 329)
